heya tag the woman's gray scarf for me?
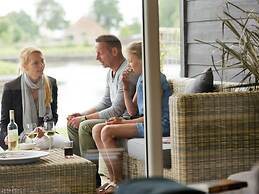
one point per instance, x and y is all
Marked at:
(28, 105)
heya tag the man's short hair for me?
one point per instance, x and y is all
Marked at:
(111, 40)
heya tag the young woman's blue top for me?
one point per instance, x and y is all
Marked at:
(165, 99)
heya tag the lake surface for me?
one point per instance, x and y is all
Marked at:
(79, 88)
(82, 86)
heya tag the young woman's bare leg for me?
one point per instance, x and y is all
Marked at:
(96, 133)
(109, 133)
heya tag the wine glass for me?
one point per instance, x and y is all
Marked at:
(49, 128)
(29, 131)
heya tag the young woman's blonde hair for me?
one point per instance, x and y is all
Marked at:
(136, 49)
(24, 59)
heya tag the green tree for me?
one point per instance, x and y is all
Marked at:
(107, 14)
(169, 15)
(51, 15)
(131, 29)
(29, 28)
(16, 27)
(4, 28)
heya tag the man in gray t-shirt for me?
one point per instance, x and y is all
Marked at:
(79, 125)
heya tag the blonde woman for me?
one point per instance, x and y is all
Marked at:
(32, 95)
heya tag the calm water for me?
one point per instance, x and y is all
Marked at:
(82, 86)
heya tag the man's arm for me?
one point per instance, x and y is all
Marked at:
(106, 109)
(89, 111)
(92, 113)
(117, 107)
(102, 105)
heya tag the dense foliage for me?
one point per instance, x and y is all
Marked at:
(107, 13)
(17, 27)
(50, 15)
(169, 13)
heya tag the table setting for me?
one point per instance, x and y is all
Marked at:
(34, 143)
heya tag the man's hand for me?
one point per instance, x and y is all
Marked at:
(75, 121)
(69, 117)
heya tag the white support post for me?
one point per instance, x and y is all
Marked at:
(152, 89)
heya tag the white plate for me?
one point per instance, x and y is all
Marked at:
(21, 157)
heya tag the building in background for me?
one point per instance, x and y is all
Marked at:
(85, 30)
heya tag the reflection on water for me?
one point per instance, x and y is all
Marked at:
(82, 86)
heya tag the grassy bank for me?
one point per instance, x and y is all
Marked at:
(8, 68)
(69, 50)
(61, 50)
(56, 52)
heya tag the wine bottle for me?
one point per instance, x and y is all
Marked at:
(12, 132)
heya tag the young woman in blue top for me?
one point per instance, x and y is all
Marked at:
(105, 135)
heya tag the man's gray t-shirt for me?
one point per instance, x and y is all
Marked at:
(112, 104)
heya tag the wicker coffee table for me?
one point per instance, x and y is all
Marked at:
(52, 174)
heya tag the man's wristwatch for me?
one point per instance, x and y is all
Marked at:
(82, 118)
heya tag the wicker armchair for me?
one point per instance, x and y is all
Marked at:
(213, 135)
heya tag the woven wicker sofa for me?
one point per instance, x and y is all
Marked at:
(213, 135)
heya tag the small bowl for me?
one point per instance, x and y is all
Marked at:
(27, 146)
